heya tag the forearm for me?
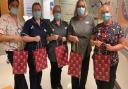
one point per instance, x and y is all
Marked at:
(92, 41)
(118, 47)
(126, 42)
(4, 38)
(69, 38)
(28, 39)
(49, 38)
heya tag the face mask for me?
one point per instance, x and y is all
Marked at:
(81, 11)
(37, 14)
(57, 16)
(14, 11)
(106, 16)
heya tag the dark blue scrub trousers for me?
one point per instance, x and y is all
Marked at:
(34, 77)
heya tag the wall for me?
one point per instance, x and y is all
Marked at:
(121, 19)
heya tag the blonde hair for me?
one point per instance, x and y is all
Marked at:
(105, 7)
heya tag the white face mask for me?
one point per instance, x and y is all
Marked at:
(106, 16)
(81, 11)
(14, 10)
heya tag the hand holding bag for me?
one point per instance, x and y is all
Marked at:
(101, 67)
(20, 58)
(61, 52)
(40, 58)
(75, 64)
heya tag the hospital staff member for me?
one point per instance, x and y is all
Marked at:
(79, 32)
(34, 32)
(112, 43)
(56, 37)
(10, 28)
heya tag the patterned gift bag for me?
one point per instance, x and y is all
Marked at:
(75, 64)
(61, 55)
(40, 59)
(20, 62)
(101, 67)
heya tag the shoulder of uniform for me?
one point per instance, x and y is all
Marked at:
(46, 20)
(5, 16)
(64, 22)
(29, 21)
(117, 24)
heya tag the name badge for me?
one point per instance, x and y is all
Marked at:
(45, 30)
(19, 30)
(65, 28)
(86, 22)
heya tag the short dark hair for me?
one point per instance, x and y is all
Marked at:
(56, 6)
(36, 3)
(11, 1)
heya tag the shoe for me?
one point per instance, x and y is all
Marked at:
(54, 88)
(60, 87)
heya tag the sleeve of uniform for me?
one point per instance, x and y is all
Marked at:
(93, 27)
(70, 30)
(66, 27)
(48, 28)
(120, 32)
(26, 28)
(3, 25)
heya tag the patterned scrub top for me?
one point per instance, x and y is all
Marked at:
(109, 35)
(8, 26)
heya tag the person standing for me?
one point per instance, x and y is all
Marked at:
(34, 34)
(79, 32)
(10, 28)
(112, 42)
(56, 37)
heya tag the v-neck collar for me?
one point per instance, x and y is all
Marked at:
(34, 21)
(54, 22)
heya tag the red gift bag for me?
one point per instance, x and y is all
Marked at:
(101, 67)
(61, 55)
(40, 59)
(20, 62)
(75, 64)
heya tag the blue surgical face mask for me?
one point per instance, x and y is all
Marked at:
(57, 16)
(14, 11)
(37, 14)
(106, 16)
(81, 11)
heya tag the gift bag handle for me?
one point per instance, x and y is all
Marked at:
(39, 44)
(75, 47)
